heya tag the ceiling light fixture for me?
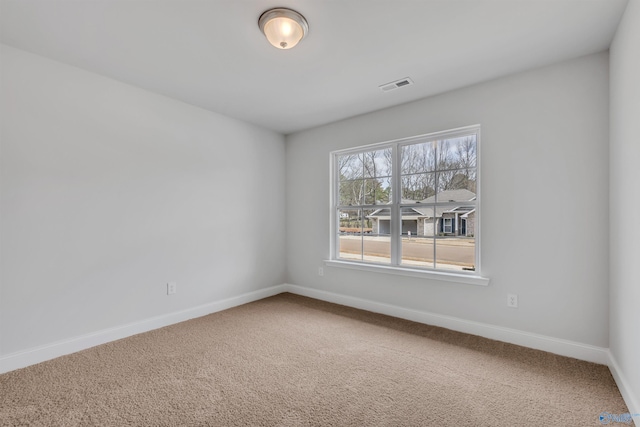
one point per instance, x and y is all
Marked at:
(284, 28)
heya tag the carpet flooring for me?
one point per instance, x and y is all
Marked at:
(294, 361)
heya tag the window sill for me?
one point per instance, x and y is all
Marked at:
(411, 272)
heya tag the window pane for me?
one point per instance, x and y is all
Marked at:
(417, 238)
(457, 185)
(460, 153)
(462, 179)
(377, 191)
(455, 253)
(351, 192)
(417, 158)
(376, 241)
(350, 166)
(418, 187)
(350, 234)
(455, 244)
(377, 163)
(445, 155)
(380, 221)
(456, 220)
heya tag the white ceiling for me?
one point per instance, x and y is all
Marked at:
(211, 53)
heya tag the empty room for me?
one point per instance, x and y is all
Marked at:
(319, 213)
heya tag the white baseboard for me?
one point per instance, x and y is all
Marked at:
(625, 390)
(526, 339)
(39, 354)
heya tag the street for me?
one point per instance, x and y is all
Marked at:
(455, 252)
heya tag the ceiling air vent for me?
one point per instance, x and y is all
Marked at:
(395, 85)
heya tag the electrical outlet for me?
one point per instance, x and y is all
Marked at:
(512, 300)
(320, 271)
(171, 288)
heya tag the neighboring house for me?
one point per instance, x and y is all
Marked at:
(423, 221)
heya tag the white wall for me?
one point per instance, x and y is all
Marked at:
(544, 201)
(109, 191)
(625, 203)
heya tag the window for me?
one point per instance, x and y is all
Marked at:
(410, 204)
(447, 225)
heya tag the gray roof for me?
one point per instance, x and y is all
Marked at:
(460, 195)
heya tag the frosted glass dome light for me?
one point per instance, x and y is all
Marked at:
(284, 28)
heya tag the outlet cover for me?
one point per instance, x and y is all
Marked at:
(512, 300)
(171, 288)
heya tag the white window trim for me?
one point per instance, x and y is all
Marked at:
(444, 225)
(473, 278)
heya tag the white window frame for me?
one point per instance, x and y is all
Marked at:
(471, 277)
(444, 225)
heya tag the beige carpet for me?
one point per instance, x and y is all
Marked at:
(294, 361)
